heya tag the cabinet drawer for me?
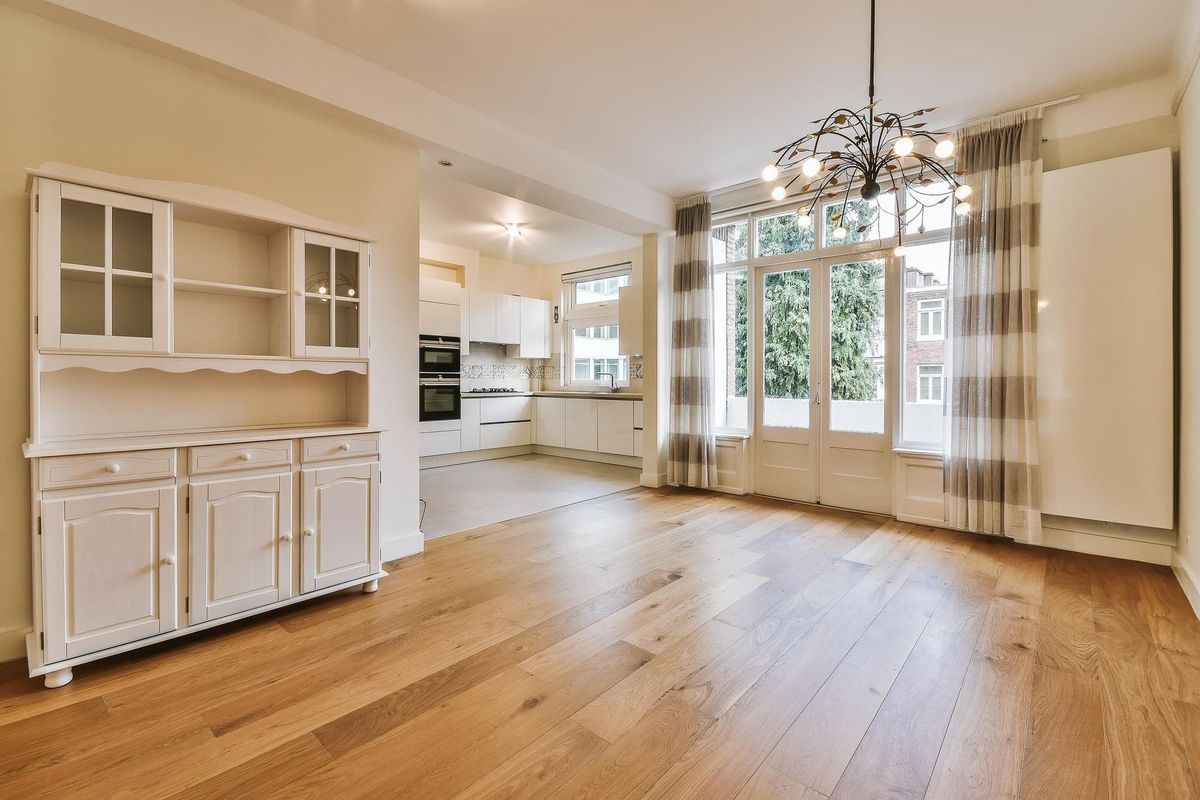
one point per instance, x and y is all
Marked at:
(506, 409)
(437, 443)
(225, 457)
(505, 434)
(96, 469)
(327, 448)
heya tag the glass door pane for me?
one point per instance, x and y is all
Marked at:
(345, 323)
(81, 302)
(81, 237)
(132, 240)
(346, 273)
(317, 259)
(317, 321)
(856, 347)
(132, 306)
(787, 348)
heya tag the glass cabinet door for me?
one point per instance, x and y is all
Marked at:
(330, 274)
(103, 268)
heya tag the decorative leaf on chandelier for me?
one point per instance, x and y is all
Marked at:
(878, 152)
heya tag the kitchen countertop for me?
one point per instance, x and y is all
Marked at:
(581, 395)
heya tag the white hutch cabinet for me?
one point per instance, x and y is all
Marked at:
(200, 443)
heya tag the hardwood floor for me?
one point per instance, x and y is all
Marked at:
(662, 644)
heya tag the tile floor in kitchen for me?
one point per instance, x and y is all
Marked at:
(466, 496)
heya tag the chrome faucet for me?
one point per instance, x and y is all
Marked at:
(612, 383)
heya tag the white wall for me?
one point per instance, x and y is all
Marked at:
(1187, 563)
(79, 98)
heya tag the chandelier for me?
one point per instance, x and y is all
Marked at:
(880, 153)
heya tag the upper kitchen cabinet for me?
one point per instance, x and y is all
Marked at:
(535, 330)
(329, 283)
(508, 319)
(629, 342)
(494, 318)
(104, 266)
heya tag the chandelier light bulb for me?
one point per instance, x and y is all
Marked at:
(770, 172)
(900, 250)
(944, 149)
(811, 166)
(778, 193)
(804, 221)
(903, 146)
(513, 230)
(962, 209)
(839, 233)
(962, 192)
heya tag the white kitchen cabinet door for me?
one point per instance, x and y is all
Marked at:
(506, 409)
(535, 330)
(439, 319)
(340, 536)
(508, 319)
(550, 421)
(241, 544)
(482, 316)
(104, 269)
(614, 427)
(109, 570)
(469, 416)
(580, 423)
(505, 434)
(329, 284)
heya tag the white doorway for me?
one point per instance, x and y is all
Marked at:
(823, 360)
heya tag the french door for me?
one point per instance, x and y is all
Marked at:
(823, 424)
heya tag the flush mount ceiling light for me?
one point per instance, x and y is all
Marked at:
(878, 152)
(445, 163)
(512, 229)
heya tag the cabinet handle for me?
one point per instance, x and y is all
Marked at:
(244, 457)
(113, 469)
(299, 293)
(344, 447)
(287, 537)
(168, 560)
(309, 532)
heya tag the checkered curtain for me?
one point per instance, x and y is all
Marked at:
(992, 478)
(691, 445)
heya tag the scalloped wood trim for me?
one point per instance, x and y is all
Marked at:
(198, 195)
(179, 362)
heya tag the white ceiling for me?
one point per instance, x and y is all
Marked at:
(459, 214)
(690, 95)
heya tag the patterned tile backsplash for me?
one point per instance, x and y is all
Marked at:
(488, 366)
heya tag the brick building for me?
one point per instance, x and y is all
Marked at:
(926, 321)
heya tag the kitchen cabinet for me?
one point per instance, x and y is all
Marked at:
(580, 424)
(104, 269)
(439, 319)
(329, 282)
(550, 421)
(629, 339)
(508, 319)
(614, 427)
(482, 316)
(535, 330)
(109, 569)
(241, 544)
(470, 417)
(339, 506)
(506, 409)
(505, 434)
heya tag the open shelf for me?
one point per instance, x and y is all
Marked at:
(230, 289)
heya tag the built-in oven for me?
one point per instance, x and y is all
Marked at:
(440, 397)
(439, 355)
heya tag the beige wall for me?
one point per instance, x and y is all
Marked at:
(1118, 140)
(71, 96)
(481, 272)
(1188, 557)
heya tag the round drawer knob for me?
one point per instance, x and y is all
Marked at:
(309, 532)
(287, 537)
(113, 469)
(344, 447)
(168, 561)
(243, 457)
(299, 293)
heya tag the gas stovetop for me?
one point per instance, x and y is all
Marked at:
(495, 391)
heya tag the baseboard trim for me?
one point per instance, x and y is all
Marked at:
(1099, 545)
(470, 456)
(401, 546)
(12, 642)
(587, 455)
(654, 480)
(1189, 580)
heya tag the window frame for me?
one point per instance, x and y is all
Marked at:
(895, 332)
(721, 270)
(929, 313)
(940, 382)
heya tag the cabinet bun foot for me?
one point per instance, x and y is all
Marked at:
(60, 677)
(371, 587)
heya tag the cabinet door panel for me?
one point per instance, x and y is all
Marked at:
(482, 316)
(508, 319)
(614, 427)
(550, 421)
(241, 545)
(580, 431)
(109, 563)
(472, 408)
(330, 290)
(341, 525)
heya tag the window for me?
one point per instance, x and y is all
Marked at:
(600, 290)
(594, 351)
(931, 319)
(930, 377)
(730, 326)
(861, 221)
(781, 233)
(935, 210)
(592, 347)
(730, 242)
(926, 278)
